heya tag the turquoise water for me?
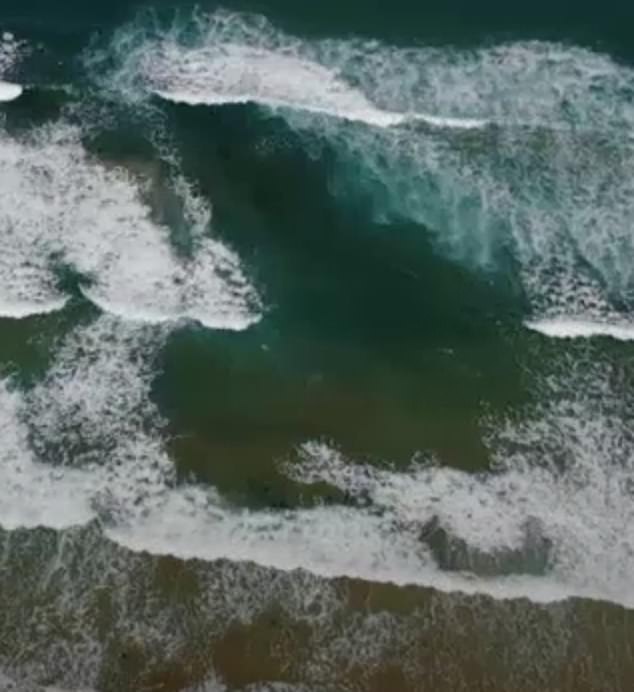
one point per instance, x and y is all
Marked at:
(316, 346)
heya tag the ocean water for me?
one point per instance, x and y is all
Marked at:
(316, 346)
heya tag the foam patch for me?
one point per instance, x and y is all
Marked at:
(62, 209)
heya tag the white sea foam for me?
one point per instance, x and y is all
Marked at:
(9, 91)
(33, 493)
(92, 413)
(59, 208)
(226, 57)
(85, 442)
(18, 310)
(571, 328)
(168, 291)
(242, 59)
(239, 74)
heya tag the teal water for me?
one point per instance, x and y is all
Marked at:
(316, 346)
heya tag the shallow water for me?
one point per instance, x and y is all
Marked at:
(316, 363)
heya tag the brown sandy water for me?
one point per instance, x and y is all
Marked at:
(76, 607)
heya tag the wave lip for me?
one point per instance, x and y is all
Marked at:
(448, 122)
(223, 69)
(20, 309)
(148, 284)
(240, 74)
(9, 91)
(368, 115)
(574, 328)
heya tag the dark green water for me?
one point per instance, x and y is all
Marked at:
(285, 402)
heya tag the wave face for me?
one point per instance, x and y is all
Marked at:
(484, 147)
(63, 210)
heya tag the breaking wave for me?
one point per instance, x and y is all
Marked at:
(517, 153)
